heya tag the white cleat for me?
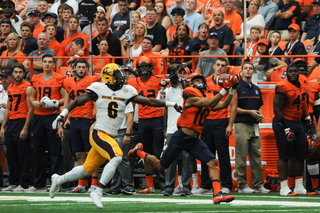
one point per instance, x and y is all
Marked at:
(96, 196)
(55, 185)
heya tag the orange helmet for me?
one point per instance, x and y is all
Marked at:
(302, 65)
(201, 86)
(144, 61)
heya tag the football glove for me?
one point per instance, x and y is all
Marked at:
(309, 126)
(48, 103)
(289, 135)
(60, 118)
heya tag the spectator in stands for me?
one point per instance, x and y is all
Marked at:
(267, 9)
(306, 9)
(205, 65)
(248, 100)
(67, 11)
(51, 30)
(155, 31)
(192, 18)
(177, 16)
(275, 38)
(5, 28)
(288, 14)
(128, 35)
(254, 19)
(294, 46)
(72, 3)
(78, 48)
(35, 19)
(66, 49)
(99, 14)
(215, 135)
(8, 9)
(99, 63)
(121, 20)
(20, 5)
(113, 9)
(202, 38)
(15, 128)
(211, 7)
(42, 8)
(13, 49)
(231, 18)
(238, 8)
(315, 62)
(265, 66)
(29, 43)
(310, 31)
(163, 17)
(182, 45)
(180, 4)
(225, 32)
(149, 3)
(52, 18)
(113, 40)
(43, 41)
(60, 9)
(32, 5)
(146, 47)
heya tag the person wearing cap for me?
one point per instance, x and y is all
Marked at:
(205, 65)
(180, 4)
(265, 66)
(9, 12)
(34, 17)
(5, 28)
(294, 46)
(50, 17)
(121, 20)
(192, 17)
(99, 14)
(177, 15)
(225, 32)
(287, 15)
(15, 129)
(174, 93)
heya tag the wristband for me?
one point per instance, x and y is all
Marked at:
(223, 91)
(232, 91)
(127, 134)
(307, 118)
(287, 129)
(283, 123)
(64, 112)
(170, 104)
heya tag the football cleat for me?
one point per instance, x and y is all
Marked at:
(55, 185)
(96, 196)
(147, 190)
(133, 152)
(221, 197)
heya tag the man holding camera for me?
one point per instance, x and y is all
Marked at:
(177, 77)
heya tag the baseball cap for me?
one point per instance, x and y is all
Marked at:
(51, 14)
(5, 72)
(8, 2)
(6, 21)
(34, 12)
(128, 69)
(294, 26)
(213, 34)
(263, 41)
(178, 10)
(316, 2)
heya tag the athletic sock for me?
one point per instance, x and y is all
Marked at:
(94, 181)
(149, 178)
(216, 187)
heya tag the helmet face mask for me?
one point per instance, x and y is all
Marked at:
(303, 66)
(113, 75)
(202, 87)
(144, 66)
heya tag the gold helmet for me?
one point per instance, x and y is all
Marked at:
(113, 74)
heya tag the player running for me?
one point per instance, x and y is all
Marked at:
(111, 97)
(196, 107)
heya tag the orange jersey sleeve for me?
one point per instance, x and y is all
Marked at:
(97, 67)
(295, 98)
(76, 88)
(148, 89)
(212, 90)
(312, 89)
(193, 117)
(233, 21)
(18, 100)
(37, 31)
(50, 88)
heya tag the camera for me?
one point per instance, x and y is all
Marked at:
(173, 73)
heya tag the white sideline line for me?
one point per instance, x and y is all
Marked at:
(161, 200)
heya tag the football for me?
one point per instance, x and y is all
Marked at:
(223, 79)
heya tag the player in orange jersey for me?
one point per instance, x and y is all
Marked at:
(190, 124)
(150, 118)
(47, 94)
(81, 118)
(289, 106)
(15, 130)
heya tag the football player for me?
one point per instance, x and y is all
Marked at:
(196, 108)
(111, 97)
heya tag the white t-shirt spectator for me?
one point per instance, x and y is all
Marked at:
(257, 20)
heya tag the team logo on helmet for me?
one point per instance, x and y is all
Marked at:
(112, 74)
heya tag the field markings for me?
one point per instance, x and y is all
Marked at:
(236, 202)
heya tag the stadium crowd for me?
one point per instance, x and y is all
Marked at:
(135, 32)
